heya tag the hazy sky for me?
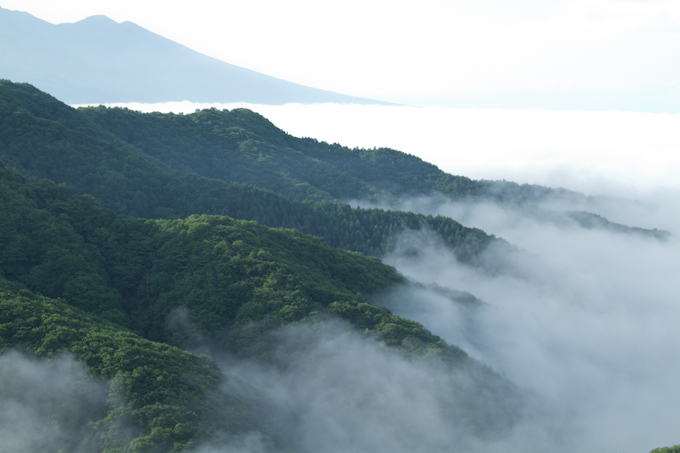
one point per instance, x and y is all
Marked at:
(576, 54)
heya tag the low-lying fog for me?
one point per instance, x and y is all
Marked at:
(45, 405)
(584, 322)
(587, 319)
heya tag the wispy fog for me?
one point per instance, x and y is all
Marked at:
(335, 390)
(587, 318)
(46, 404)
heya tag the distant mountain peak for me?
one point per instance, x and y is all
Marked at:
(98, 60)
(98, 19)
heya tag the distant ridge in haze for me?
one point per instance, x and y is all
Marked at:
(98, 60)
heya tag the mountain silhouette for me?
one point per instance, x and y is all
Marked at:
(98, 60)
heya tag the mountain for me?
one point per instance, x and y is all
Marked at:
(122, 294)
(98, 60)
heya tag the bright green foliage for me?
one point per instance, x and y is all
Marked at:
(161, 398)
(134, 272)
(673, 449)
(90, 160)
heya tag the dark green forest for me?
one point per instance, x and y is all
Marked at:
(243, 146)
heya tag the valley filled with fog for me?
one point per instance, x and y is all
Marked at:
(583, 321)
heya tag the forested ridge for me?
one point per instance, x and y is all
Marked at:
(134, 271)
(241, 145)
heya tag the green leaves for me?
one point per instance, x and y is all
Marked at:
(673, 449)
(165, 395)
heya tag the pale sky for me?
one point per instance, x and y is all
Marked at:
(540, 54)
